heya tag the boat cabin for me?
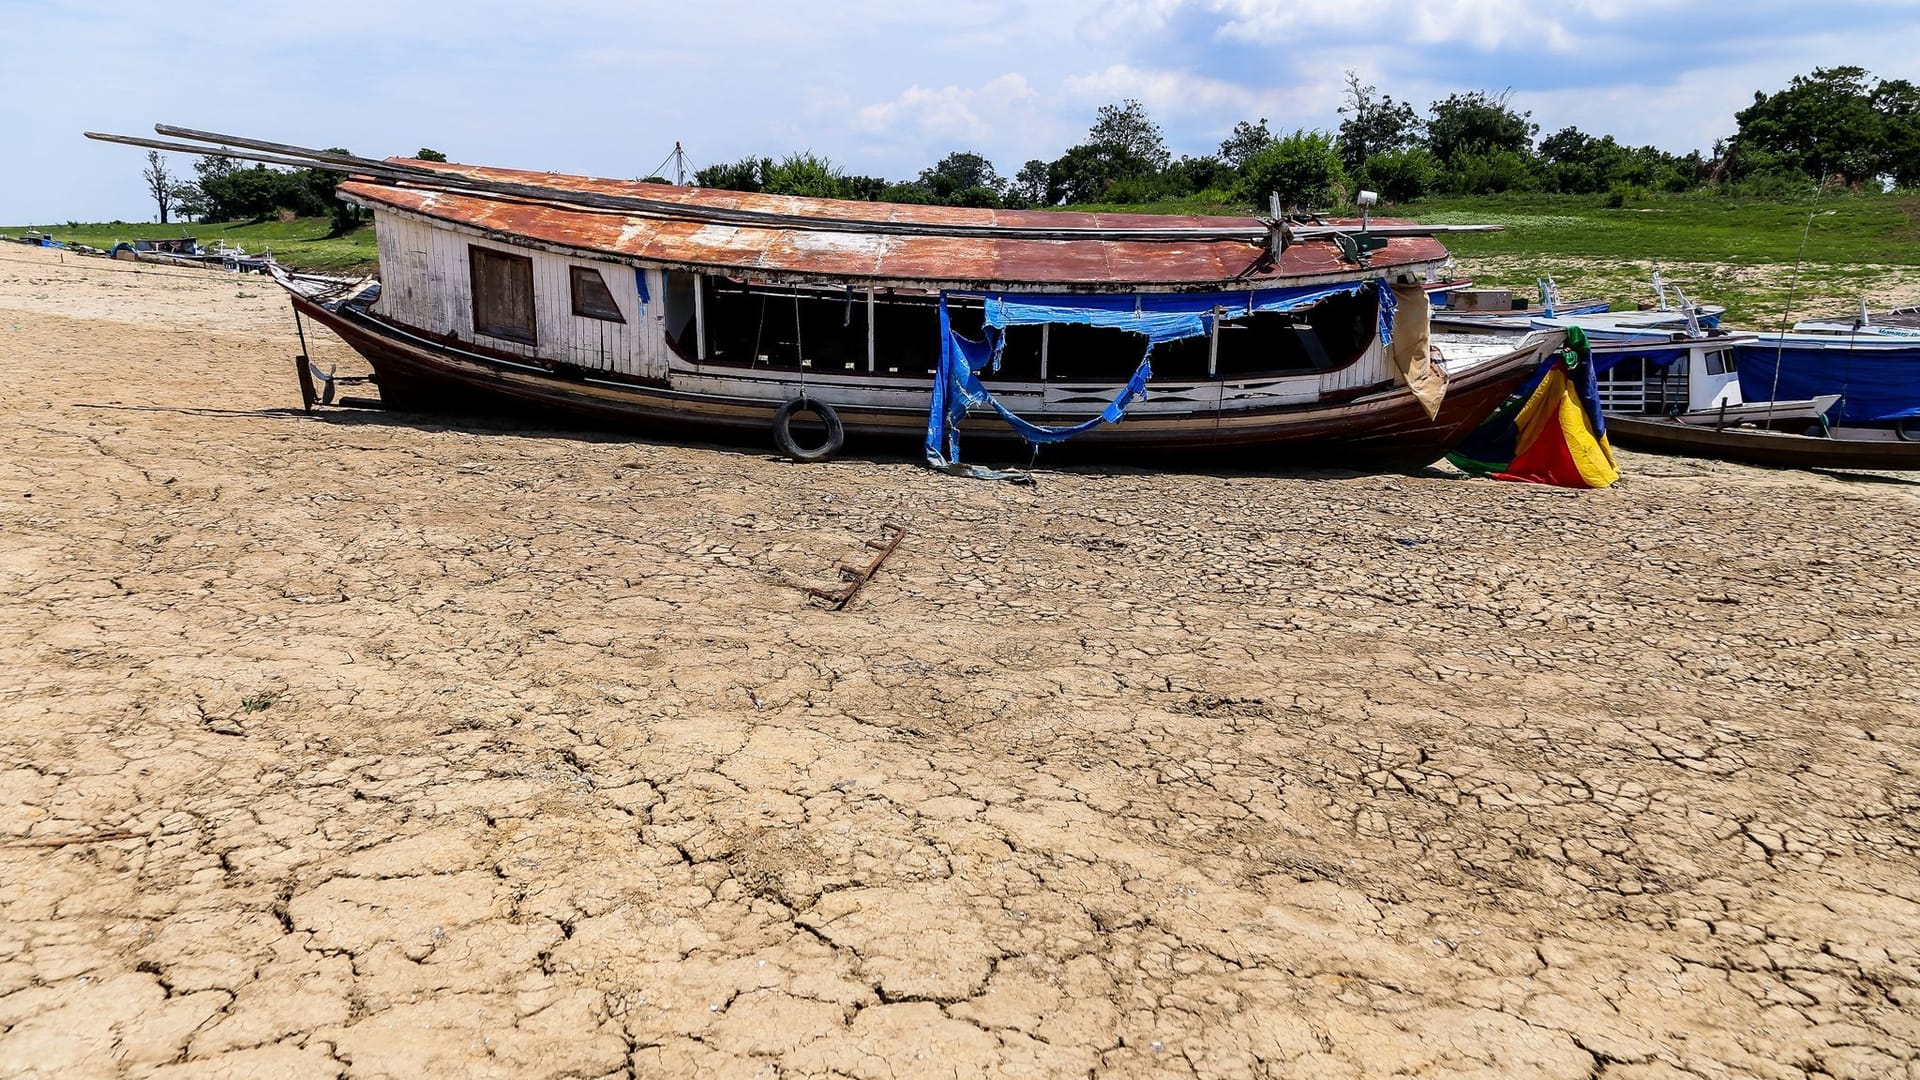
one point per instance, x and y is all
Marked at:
(1695, 380)
(597, 315)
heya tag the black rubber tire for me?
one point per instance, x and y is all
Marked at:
(783, 430)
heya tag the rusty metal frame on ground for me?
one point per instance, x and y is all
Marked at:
(837, 599)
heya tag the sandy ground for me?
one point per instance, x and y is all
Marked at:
(354, 744)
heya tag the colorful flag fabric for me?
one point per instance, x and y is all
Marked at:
(1550, 431)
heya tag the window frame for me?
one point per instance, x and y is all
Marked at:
(528, 335)
(574, 274)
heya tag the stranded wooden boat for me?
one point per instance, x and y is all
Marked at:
(1842, 448)
(1258, 342)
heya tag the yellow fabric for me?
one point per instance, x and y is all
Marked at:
(1531, 421)
(1412, 361)
(1555, 408)
(1593, 457)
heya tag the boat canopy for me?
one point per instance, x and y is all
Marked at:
(1878, 380)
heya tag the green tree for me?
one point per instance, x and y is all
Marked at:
(1837, 121)
(1029, 187)
(910, 192)
(427, 154)
(188, 201)
(804, 173)
(1245, 141)
(742, 175)
(1085, 172)
(1303, 169)
(1192, 175)
(1478, 123)
(1898, 103)
(1575, 162)
(1126, 131)
(1374, 124)
(963, 178)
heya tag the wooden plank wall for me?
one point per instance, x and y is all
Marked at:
(425, 282)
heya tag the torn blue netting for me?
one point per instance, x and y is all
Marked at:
(1157, 317)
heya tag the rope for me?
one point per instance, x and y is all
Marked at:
(1793, 289)
(663, 162)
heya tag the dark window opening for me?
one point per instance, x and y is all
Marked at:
(1184, 360)
(781, 328)
(591, 297)
(1326, 337)
(502, 294)
(1019, 355)
(1716, 363)
(791, 328)
(785, 329)
(1077, 353)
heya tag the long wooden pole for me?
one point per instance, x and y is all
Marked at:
(450, 179)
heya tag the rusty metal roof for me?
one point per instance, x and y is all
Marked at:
(791, 251)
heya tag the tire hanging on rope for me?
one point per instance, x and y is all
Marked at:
(836, 434)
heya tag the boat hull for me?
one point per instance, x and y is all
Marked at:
(1757, 446)
(1388, 428)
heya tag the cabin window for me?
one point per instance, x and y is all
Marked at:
(1728, 362)
(1328, 336)
(502, 294)
(1716, 363)
(591, 297)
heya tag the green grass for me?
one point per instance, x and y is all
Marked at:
(1685, 228)
(1739, 252)
(302, 243)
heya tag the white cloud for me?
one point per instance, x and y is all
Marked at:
(1483, 24)
(950, 112)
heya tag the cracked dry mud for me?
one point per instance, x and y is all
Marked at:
(362, 745)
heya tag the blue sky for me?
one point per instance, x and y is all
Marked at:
(605, 88)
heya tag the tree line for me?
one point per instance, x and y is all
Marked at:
(223, 190)
(1833, 124)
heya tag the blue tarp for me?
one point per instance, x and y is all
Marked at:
(1654, 354)
(1156, 317)
(1875, 386)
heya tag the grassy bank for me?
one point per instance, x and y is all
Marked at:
(303, 242)
(1737, 252)
(1732, 251)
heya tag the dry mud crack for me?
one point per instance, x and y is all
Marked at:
(357, 745)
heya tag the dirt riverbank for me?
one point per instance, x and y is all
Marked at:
(366, 745)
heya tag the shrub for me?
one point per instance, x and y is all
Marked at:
(1485, 174)
(1303, 169)
(1623, 193)
(1401, 175)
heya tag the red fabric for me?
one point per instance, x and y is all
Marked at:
(1547, 461)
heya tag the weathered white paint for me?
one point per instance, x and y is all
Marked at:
(426, 283)
(1370, 369)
